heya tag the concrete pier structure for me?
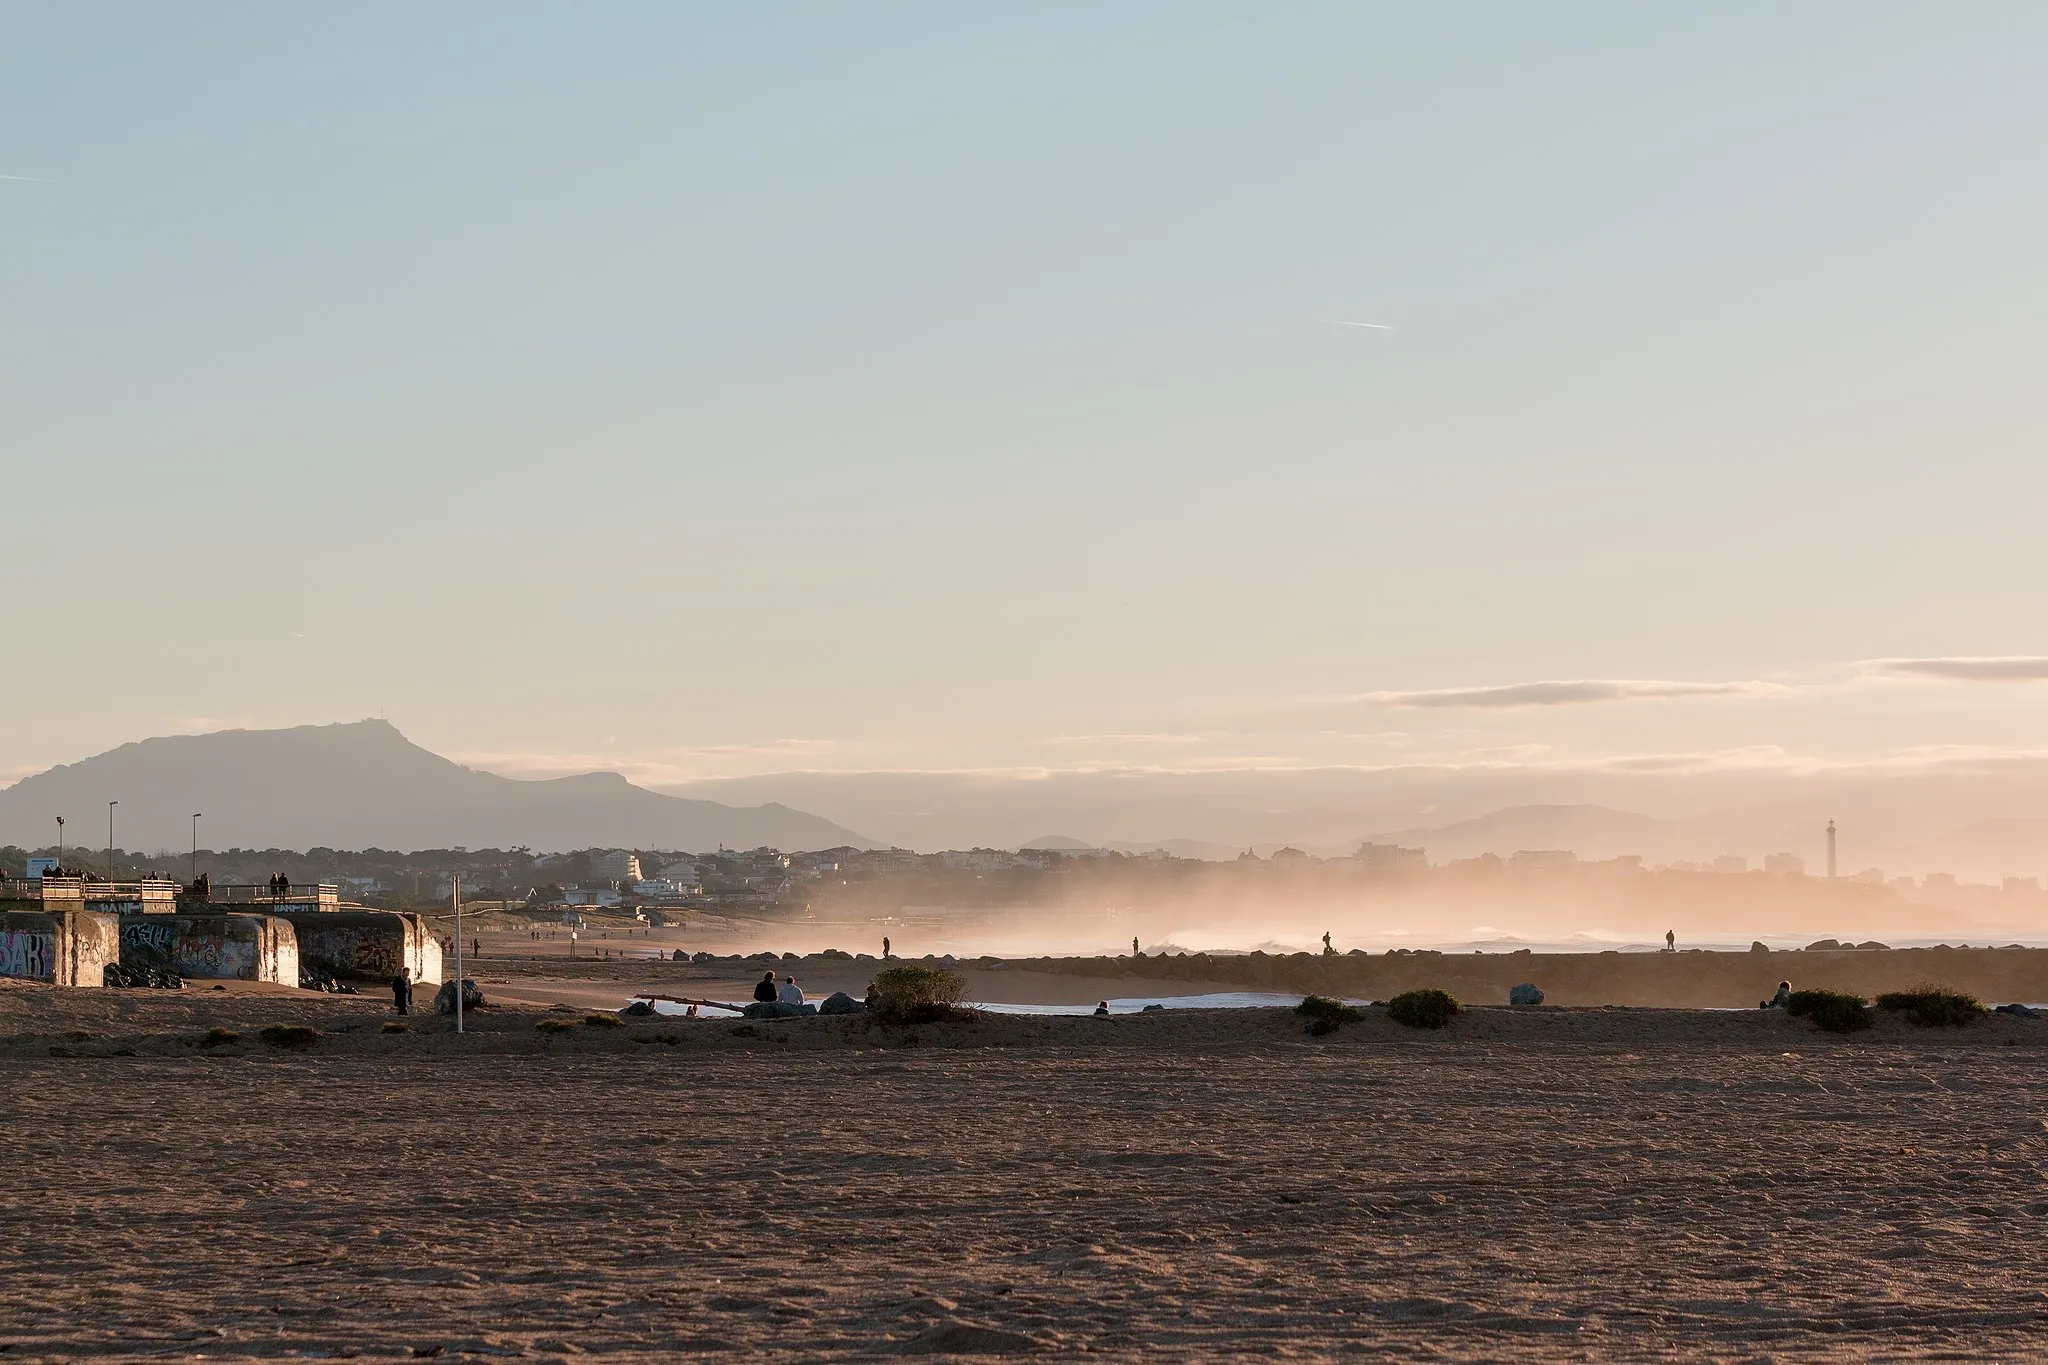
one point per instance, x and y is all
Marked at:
(368, 945)
(59, 946)
(221, 946)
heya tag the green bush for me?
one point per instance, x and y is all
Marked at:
(1423, 1009)
(916, 994)
(604, 1021)
(1831, 1011)
(1324, 1015)
(1933, 1006)
(555, 1025)
(294, 1036)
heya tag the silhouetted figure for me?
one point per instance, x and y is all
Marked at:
(401, 991)
(1670, 940)
(1782, 998)
(1102, 1009)
(764, 989)
(885, 947)
(1327, 949)
(1134, 945)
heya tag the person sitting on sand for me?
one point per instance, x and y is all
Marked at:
(764, 989)
(1783, 997)
(1102, 1009)
(791, 993)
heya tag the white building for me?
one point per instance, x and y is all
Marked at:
(615, 866)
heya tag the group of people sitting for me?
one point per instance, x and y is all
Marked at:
(788, 993)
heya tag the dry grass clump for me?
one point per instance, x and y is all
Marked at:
(555, 1025)
(296, 1037)
(1428, 1008)
(1325, 1015)
(220, 1037)
(1934, 1006)
(1831, 1011)
(397, 1026)
(603, 1021)
(917, 994)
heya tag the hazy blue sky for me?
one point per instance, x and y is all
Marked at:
(716, 389)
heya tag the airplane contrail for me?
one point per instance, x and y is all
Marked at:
(1376, 326)
(26, 179)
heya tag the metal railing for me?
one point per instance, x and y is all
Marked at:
(257, 893)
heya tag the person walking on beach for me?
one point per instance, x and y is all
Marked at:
(764, 989)
(401, 991)
(885, 947)
(1328, 951)
(1134, 946)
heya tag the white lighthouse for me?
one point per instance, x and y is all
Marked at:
(1831, 850)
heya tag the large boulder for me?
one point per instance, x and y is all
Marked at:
(839, 1002)
(472, 997)
(1525, 994)
(775, 1009)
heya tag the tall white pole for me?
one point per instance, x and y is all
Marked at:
(455, 891)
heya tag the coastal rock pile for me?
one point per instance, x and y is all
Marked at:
(839, 1002)
(472, 997)
(1525, 994)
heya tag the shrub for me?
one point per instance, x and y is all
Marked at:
(555, 1025)
(220, 1037)
(1932, 1006)
(1831, 1011)
(1423, 1009)
(916, 994)
(604, 1021)
(396, 1026)
(1324, 1015)
(294, 1036)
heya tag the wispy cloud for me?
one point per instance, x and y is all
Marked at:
(26, 179)
(1993, 668)
(1575, 692)
(1130, 739)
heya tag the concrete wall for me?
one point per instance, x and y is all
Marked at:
(368, 945)
(216, 947)
(62, 947)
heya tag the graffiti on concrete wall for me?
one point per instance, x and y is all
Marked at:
(192, 949)
(370, 951)
(28, 952)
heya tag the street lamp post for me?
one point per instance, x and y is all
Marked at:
(195, 849)
(110, 839)
(455, 894)
(60, 843)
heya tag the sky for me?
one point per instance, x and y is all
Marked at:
(707, 391)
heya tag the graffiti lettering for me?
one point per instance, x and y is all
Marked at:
(26, 953)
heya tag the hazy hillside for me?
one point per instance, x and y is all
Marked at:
(365, 785)
(1589, 831)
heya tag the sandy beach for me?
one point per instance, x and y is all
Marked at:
(1553, 1184)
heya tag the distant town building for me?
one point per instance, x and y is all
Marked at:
(1391, 856)
(1785, 864)
(615, 866)
(1543, 857)
(595, 896)
(1728, 864)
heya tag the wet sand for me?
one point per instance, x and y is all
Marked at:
(1548, 1184)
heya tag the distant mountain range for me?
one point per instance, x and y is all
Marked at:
(365, 785)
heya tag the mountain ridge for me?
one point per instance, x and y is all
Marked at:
(363, 784)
